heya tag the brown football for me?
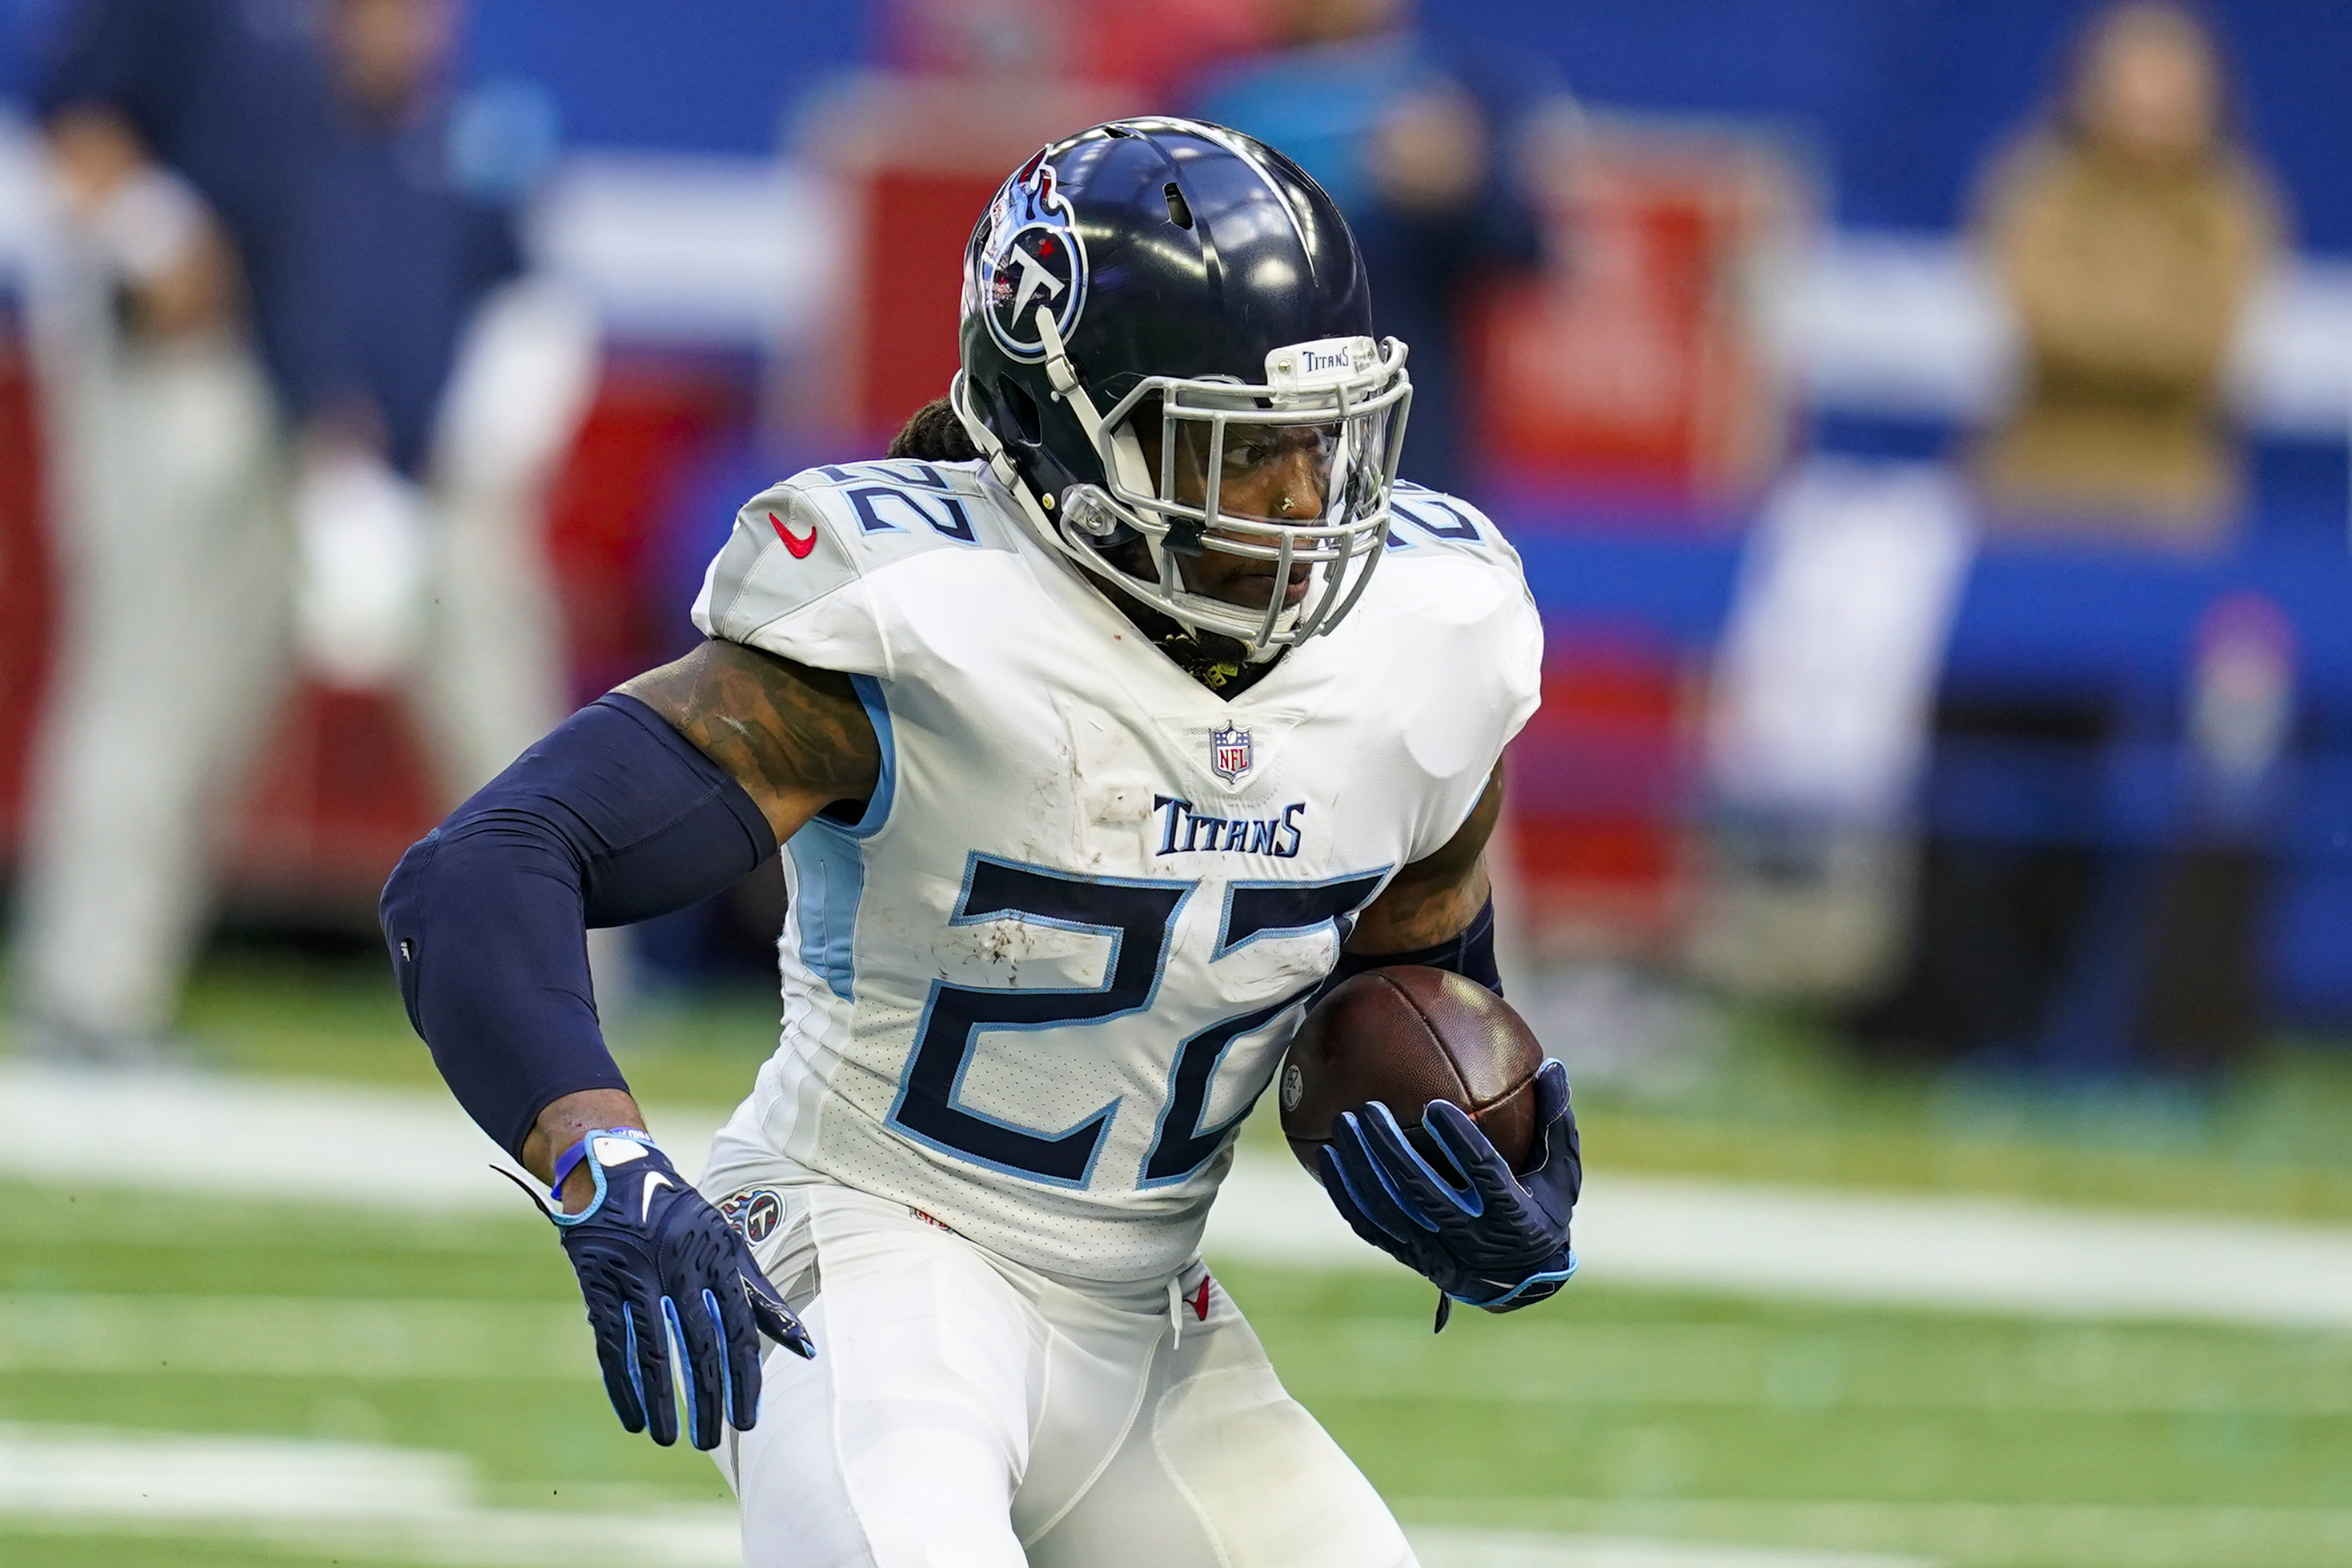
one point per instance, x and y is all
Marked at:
(1404, 1036)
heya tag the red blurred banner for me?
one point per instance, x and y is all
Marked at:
(1639, 364)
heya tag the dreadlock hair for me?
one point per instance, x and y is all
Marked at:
(934, 435)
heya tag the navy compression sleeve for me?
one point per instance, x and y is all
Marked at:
(614, 817)
(1469, 952)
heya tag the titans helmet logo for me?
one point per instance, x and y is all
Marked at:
(1027, 255)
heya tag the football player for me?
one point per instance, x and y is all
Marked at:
(1095, 745)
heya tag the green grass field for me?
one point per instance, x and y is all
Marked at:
(1969, 1440)
(1777, 1103)
(1963, 1439)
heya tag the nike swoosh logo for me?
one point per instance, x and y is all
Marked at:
(646, 1198)
(800, 548)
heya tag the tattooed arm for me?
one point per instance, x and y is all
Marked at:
(1436, 897)
(643, 803)
(797, 739)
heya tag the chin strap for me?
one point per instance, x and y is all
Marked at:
(1036, 508)
(1126, 457)
(1127, 472)
(1000, 459)
(1125, 451)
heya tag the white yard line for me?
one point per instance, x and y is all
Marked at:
(422, 1507)
(377, 1503)
(1900, 1251)
(393, 1501)
(309, 1142)
(1980, 1534)
(267, 1138)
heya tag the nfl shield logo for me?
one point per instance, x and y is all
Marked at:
(1228, 752)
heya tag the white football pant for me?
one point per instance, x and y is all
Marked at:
(966, 1411)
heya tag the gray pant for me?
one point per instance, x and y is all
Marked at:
(175, 555)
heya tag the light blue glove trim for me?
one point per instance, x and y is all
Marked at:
(629, 1352)
(681, 1367)
(1411, 1209)
(1475, 1205)
(576, 1153)
(1340, 1169)
(1559, 1276)
(727, 1411)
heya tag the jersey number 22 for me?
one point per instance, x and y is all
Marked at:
(1138, 916)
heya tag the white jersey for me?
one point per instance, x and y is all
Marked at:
(1033, 988)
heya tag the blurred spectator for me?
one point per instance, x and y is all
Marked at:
(1417, 151)
(2129, 234)
(279, 268)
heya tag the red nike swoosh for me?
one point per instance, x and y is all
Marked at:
(800, 548)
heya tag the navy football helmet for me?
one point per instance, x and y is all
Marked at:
(1148, 304)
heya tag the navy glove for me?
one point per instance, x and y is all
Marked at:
(1501, 1241)
(655, 1260)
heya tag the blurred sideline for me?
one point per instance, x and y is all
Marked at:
(286, 1142)
(715, 251)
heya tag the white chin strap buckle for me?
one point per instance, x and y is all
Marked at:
(1087, 510)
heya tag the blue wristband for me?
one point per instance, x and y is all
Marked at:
(1469, 952)
(569, 1160)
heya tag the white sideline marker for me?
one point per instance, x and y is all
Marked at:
(307, 1142)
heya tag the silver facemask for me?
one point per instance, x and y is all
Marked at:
(1336, 408)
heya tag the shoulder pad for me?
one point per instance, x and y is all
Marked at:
(790, 576)
(1421, 517)
(883, 511)
(1452, 598)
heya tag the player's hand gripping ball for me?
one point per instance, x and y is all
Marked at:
(656, 1261)
(1477, 1196)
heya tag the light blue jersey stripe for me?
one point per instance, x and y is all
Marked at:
(829, 862)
